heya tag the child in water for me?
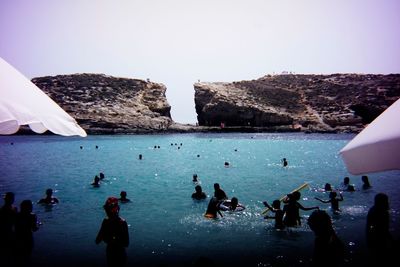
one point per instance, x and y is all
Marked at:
(114, 232)
(276, 208)
(292, 210)
(333, 200)
(232, 205)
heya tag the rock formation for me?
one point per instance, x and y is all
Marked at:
(314, 103)
(106, 104)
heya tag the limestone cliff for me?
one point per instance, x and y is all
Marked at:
(316, 103)
(106, 104)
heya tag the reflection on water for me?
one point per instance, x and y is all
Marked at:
(166, 226)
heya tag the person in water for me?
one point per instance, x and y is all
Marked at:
(327, 187)
(219, 193)
(213, 209)
(292, 210)
(334, 200)
(96, 181)
(49, 199)
(346, 186)
(102, 176)
(26, 223)
(232, 205)
(195, 178)
(199, 194)
(8, 216)
(328, 248)
(284, 162)
(123, 198)
(114, 232)
(366, 185)
(276, 208)
(379, 239)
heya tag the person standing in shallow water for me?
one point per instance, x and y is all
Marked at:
(25, 225)
(219, 193)
(379, 239)
(114, 232)
(328, 248)
(284, 162)
(8, 216)
(292, 210)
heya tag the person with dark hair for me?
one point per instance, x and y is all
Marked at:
(276, 208)
(49, 199)
(231, 205)
(213, 209)
(366, 185)
(327, 187)
(96, 181)
(123, 198)
(328, 248)
(8, 216)
(333, 200)
(219, 193)
(292, 210)
(199, 194)
(195, 178)
(114, 232)
(379, 239)
(102, 176)
(346, 186)
(284, 162)
(26, 224)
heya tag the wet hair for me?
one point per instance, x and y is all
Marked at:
(276, 204)
(234, 200)
(216, 186)
(26, 206)
(381, 201)
(49, 191)
(320, 222)
(123, 193)
(346, 180)
(328, 187)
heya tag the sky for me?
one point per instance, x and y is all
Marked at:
(178, 42)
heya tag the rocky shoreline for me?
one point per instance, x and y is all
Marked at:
(337, 103)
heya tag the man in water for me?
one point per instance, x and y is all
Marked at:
(199, 194)
(49, 199)
(219, 193)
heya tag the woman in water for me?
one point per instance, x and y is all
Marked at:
(292, 210)
(114, 232)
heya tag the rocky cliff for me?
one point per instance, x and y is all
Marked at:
(106, 104)
(315, 103)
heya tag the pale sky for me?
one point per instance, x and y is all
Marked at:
(177, 42)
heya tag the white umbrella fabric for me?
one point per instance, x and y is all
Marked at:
(377, 147)
(23, 103)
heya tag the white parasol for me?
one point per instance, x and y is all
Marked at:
(23, 103)
(377, 147)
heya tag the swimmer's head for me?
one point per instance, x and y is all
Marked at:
(123, 194)
(276, 204)
(328, 187)
(234, 201)
(111, 206)
(198, 188)
(346, 180)
(49, 192)
(216, 186)
(296, 195)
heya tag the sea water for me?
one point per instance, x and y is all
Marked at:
(167, 227)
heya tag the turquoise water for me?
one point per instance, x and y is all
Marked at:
(166, 226)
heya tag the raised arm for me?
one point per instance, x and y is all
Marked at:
(323, 201)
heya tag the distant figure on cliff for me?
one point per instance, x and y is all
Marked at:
(49, 199)
(284, 162)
